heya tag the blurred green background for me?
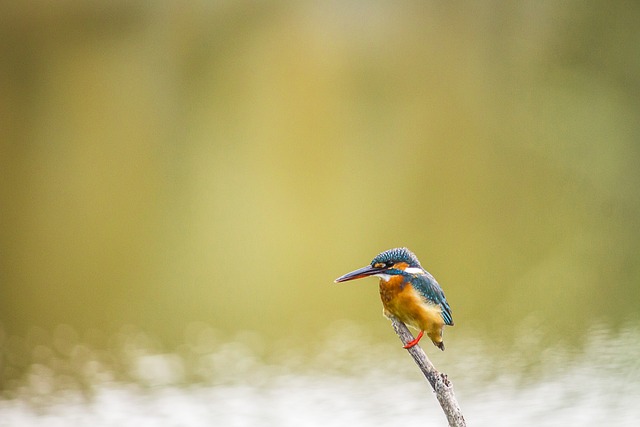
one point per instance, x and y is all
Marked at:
(164, 163)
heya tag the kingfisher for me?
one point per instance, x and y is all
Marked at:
(409, 293)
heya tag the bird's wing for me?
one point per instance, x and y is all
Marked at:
(429, 289)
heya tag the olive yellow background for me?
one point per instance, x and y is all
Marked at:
(167, 163)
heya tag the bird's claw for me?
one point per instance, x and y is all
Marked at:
(413, 341)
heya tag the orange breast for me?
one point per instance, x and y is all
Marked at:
(402, 301)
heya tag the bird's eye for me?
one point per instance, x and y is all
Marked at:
(389, 264)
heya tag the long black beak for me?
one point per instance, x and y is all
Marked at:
(359, 273)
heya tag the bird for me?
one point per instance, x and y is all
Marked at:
(409, 293)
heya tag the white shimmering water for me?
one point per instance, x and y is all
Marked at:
(208, 383)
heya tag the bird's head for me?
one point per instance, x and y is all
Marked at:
(394, 262)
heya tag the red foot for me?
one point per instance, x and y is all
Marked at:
(414, 341)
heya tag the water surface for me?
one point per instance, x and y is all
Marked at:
(348, 382)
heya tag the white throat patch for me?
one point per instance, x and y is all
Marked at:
(383, 276)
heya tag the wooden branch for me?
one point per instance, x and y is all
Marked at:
(439, 381)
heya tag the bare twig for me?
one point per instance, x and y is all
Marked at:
(439, 381)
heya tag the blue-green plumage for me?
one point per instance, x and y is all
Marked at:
(397, 255)
(421, 280)
(427, 286)
(408, 292)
